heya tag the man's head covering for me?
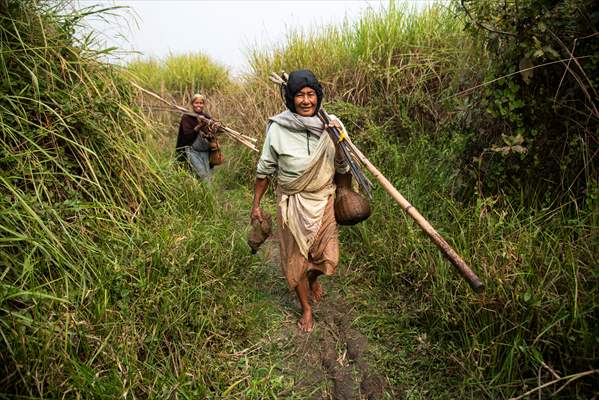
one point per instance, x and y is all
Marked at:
(297, 81)
(197, 96)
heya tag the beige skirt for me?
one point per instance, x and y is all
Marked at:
(323, 254)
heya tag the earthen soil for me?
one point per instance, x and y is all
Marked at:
(334, 360)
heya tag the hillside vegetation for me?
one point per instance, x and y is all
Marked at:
(438, 103)
(123, 276)
(119, 272)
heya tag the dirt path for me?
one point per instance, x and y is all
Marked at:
(365, 345)
(333, 361)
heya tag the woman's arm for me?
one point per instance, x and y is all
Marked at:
(187, 133)
(259, 189)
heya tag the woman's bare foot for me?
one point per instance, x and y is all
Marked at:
(315, 288)
(317, 291)
(306, 322)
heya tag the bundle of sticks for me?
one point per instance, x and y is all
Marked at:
(246, 140)
(356, 160)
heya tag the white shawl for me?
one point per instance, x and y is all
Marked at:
(304, 199)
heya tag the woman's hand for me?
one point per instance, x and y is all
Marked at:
(259, 189)
(334, 123)
(215, 126)
(257, 214)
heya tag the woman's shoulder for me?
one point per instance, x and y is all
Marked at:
(271, 129)
(276, 134)
(275, 128)
(187, 117)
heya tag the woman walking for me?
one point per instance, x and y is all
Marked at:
(304, 158)
(196, 139)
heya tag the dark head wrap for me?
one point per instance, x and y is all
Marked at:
(297, 81)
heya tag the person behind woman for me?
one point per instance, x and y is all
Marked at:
(303, 156)
(192, 144)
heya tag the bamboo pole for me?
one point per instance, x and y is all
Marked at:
(241, 138)
(473, 280)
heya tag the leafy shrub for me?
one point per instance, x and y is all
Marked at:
(537, 140)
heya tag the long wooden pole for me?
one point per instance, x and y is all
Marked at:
(241, 138)
(473, 280)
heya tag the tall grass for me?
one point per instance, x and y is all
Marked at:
(180, 74)
(119, 272)
(401, 63)
(538, 313)
(124, 277)
(391, 78)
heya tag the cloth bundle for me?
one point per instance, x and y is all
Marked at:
(260, 232)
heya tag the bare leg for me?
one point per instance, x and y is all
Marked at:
(306, 322)
(315, 287)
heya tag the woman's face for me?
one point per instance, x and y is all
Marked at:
(198, 105)
(305, 102)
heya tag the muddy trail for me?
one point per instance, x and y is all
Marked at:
(333, 361)
(365, 345)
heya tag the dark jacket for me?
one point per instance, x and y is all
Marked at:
(187, 135)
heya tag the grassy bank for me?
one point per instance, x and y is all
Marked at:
(123, 276)
(120, 273)
(180, 75)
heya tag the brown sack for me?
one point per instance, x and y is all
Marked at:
(216, 156)
(350, 206)
(259, 232)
